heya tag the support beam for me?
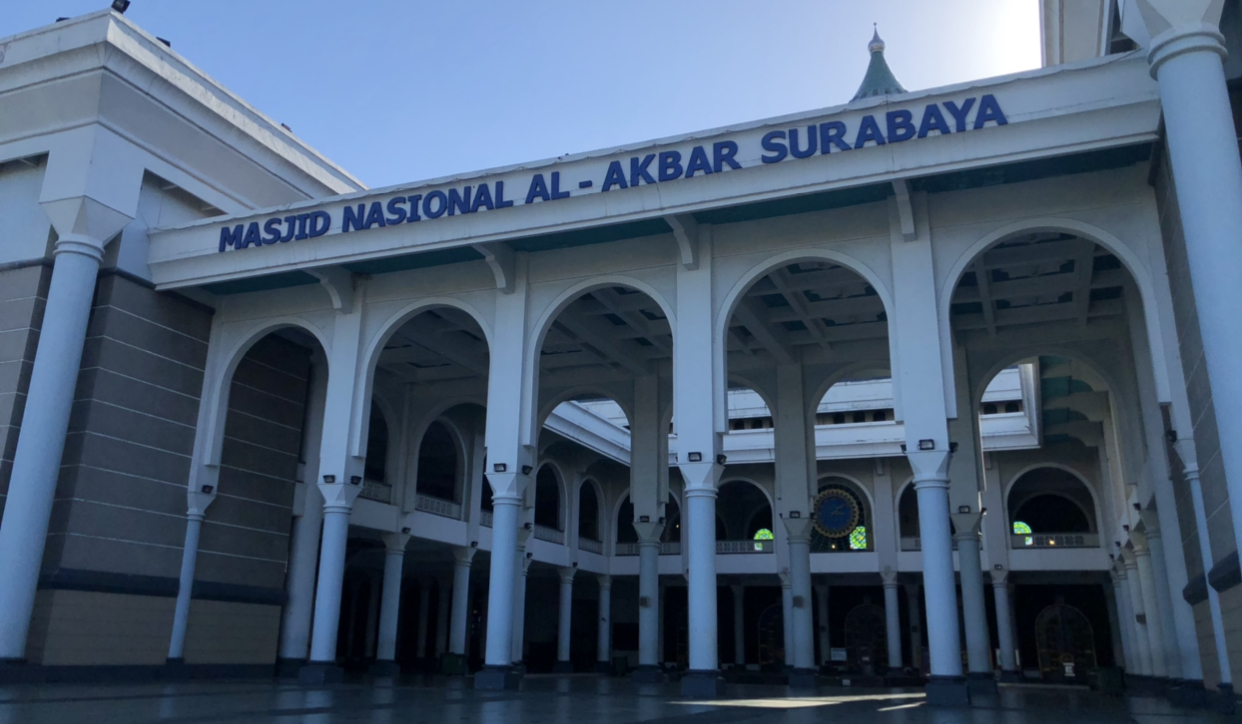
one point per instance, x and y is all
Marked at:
(499, 258)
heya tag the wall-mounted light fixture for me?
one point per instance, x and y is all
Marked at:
(329, 479)
(474, 544)
(526, 469)
(963, 508)
(499, 468)
(1138, 507)
(575, 564)
(644, 519)
(1171, 435)
(998, 567)
(120, 6)
(952, 447)
(720, 459)
(208, 489)
(406, 530)
(529, 554)
(1126, 528)
(695, 457)
(795, 514)
(927, 444)
(527, 526)
(355, 480)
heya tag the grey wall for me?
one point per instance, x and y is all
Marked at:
(23, 293)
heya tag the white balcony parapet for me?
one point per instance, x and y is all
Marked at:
(1055, 540)
(551, 535)
(377, 491)
(668, 548)
(436, 506)
(745, 546)
(916, 544)
(590, 546)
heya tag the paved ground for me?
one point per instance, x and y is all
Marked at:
(551, 700)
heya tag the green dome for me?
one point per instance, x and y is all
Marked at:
(879, 80)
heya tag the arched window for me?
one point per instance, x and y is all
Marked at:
(547, 499)
(860, 416)
(1013, 407)
(764, 534)
(437, 464)
(588, 513)
(989, 409)
(841, 518)
(1051, 500)
(377, 446)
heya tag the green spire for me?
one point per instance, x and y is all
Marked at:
(879, 80)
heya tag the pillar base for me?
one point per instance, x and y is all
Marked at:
(981, 683)
(563, 667)
(320, 674)
(454, 665)
(803, 679)
(385, 668)
(289, 668)
(948, 691)
(1188, 694)
(649, 674)
(702, 685)
(603, 667)
(1010, 677)
(1222, 701)
(497, 678)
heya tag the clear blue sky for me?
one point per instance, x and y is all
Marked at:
(397, 91)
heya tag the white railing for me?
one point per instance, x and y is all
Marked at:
(1055, 540)
(745, 546)
(591, 546)
(436, 506)
(916, 544)
(669, 548)
(377, 491)
(485, 518)
(552, 535)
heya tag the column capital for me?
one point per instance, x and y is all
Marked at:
(701, 478)
(1000, 578)
(967, 525)
(87, 246)
(567, 574)
(798, 529)
(394, 543)
(197, 502)
(649, 532)
(931, 468)
(464, 555)
(605, 582)
(339, 496)
(889, 577)
(784, 577)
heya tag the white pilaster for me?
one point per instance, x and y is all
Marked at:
(974, 611)
(1164, 602)
(339, 499)
(1134, 599)
(787, 627)
(648, 592)
(604, 640)
(800, 621)
(916, 626)
(1187, 452)
(739, 624)
(522, 567)
(892, 619)
(1151, 610)
(1004, 626)
(939, 583)
(564, 631)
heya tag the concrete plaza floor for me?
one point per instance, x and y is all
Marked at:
(552, 700)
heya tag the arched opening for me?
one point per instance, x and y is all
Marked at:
(1049, 500)
(742, 510)
(588, 512)
(842, 518)
(438, 464)
(672, 522)
(548, 499)
(1065, 640)
(377, 447)
(866, 637)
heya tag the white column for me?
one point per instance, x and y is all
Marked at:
(739, 625)
(787, 627)
(564, 632)
(198, 503)
(803, 628)
(295, 625)
(699, 535)
(424, 613)
(1135, 599)
(1186, 58)
(660, 635)
(825, 639)
(36, 464)
(892, 620)
(338, 498)
(1125, 619)
(443, 603)
(1004, 626)
(604, 657)
(462, 558)
(500, 580)
(1151, 609)
(939, 582)
(648, 593)
(974, 611)
(390, 601)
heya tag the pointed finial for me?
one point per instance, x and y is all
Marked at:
(877, 44)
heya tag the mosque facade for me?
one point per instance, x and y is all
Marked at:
(933, 387)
